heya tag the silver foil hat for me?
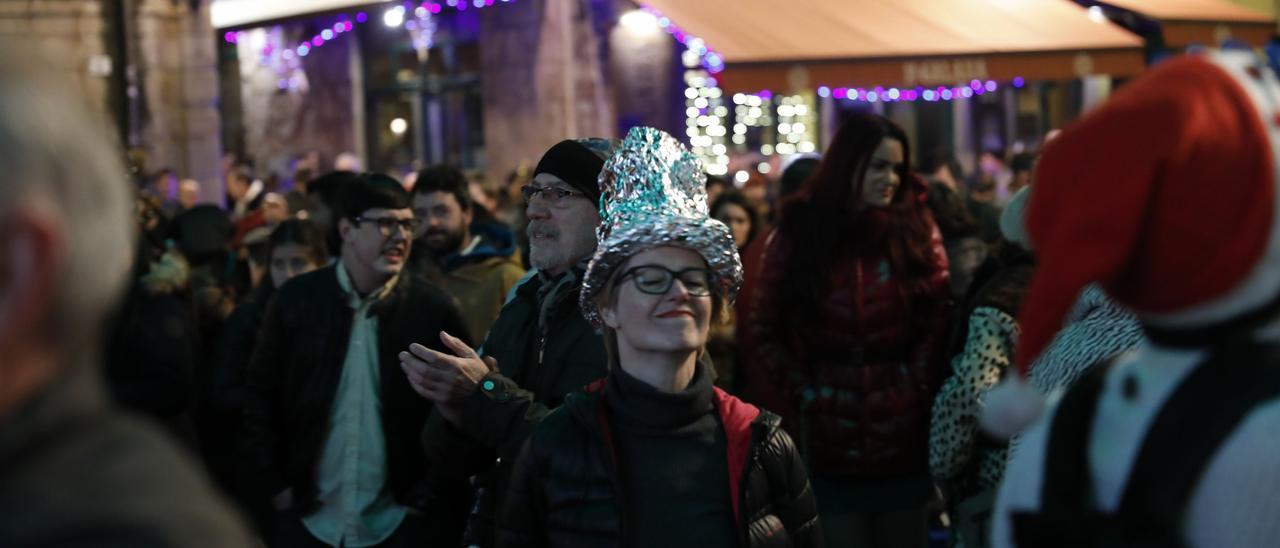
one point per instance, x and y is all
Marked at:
(653, 194)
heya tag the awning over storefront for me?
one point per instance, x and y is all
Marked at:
(784, 46)
(1206, 22)
(227, 14)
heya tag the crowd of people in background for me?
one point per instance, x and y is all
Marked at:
(614, 348)
(912, 264)
(911, 282)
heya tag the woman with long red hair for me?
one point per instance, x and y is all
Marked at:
(849, 320)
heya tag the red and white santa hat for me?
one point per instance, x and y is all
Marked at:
(1166, 196)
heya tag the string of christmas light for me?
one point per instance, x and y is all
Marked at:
(797, 124)
(705, 112)
(753, 111)
(704, 117)
(394, 16)
(920, 93)
(710, 60)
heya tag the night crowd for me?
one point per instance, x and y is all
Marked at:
(614, 348)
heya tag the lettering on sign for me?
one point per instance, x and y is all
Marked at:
(944, 71)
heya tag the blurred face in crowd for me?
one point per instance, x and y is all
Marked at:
(376, 244)
(562, 225)
(319, 213)
(188, 193)
(274, 209)
(164, 184)
(756, 190)
(442, 224)
(737, 219)
(944, 176)
(990, 164)
(661, 302)
(964, 258)
(1020, 180)
(882, 177)
(237, 188)
(289, 260)
(714, 188)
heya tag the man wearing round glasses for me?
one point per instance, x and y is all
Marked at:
(331, 424)
(538, 350)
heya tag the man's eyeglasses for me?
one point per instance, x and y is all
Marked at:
(554, 196)
(657, 280)
(387, 225)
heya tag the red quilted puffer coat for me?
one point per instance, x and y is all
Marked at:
(859, 379)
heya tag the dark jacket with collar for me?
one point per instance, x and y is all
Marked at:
(76, 471)
(538, 366)
(295, 370)
(565, 490)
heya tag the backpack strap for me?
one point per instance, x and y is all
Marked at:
(1198, 417)
(1066, 496)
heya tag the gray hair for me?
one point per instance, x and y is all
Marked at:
(57, 154)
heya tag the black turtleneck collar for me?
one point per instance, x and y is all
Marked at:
(634, 403)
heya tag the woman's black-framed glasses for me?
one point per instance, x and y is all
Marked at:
(553, 195)
(656, 280)
(388, 225)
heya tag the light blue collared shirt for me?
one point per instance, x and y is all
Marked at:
(356, 508)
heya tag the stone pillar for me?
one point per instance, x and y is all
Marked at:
(169, 53)
(176, 69)
(646, 78)
(73, 32)
(539, 89)
(200, 84)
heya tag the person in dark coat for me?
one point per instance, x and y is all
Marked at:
(331, 425)
(150, 364)
(474, 261)
(540, 347)
(655, 455)
(293, 248)
(739, 214)
(966, 463)
(75, 468)
(324, 204)
(244, 193)
(850, 333)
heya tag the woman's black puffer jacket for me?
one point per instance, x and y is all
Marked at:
(563, 491)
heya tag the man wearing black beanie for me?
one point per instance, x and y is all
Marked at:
(538, 350)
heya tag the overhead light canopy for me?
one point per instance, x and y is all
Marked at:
(226, 14)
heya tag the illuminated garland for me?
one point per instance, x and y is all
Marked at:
(394, 16)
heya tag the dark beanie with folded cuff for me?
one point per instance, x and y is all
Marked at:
(577, 162)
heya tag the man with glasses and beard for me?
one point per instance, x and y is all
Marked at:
(331, 423)
(475, 262)
(538, 351)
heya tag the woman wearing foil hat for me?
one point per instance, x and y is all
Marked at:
(654, 454)
(850, 314)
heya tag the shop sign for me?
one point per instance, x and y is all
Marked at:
(944, 71)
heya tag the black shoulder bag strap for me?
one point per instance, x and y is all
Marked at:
(1064, 510)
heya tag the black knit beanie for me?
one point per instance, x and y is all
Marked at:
(578, 163)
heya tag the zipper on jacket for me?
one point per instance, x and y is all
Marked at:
(542, 347)
(752, 461)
